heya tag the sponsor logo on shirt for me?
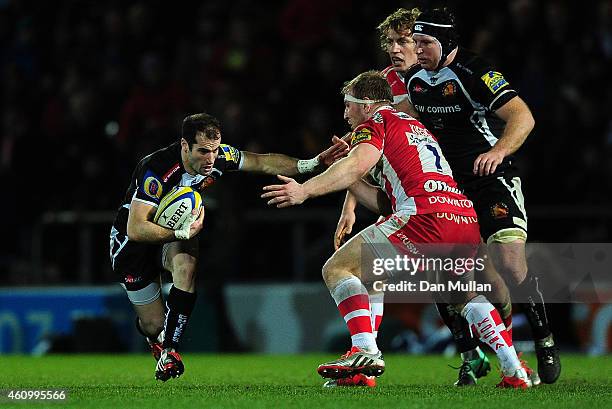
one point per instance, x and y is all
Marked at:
(494, 81)
(449, 89)
(130, 279)
(419, 89)
(451, 217)
(466, 203)
(499, 211)
(419, 136)
(418, 139)
(231, 154)
(439, 186)
(438, 110)
(410, 246)
(419, 130)
(208, 180)
(364, 134)
(152, 187)
(171, 172)
(464, 68)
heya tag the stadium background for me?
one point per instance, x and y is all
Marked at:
(90, 87)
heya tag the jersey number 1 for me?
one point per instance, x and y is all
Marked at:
(435, 153)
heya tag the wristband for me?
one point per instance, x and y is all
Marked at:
(181, 234)
(308, 165)
(185, 230)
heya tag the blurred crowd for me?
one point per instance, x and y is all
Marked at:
(89, 87)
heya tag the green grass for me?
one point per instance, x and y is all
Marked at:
(254, 381)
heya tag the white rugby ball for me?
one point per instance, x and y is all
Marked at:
(176, 206)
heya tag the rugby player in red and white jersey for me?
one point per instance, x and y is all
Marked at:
(401, 155)
(395, 35)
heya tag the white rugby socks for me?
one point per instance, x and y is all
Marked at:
(377, 307)
(486, 323)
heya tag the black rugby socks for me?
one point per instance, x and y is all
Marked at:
(458, 326)
(534, 309)
(179, 307)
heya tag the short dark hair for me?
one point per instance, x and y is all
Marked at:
(369, 84)
(398, 21)
(203, 123)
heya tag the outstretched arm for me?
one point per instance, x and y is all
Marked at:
(339, 176)
(270, 163)
(275, 163)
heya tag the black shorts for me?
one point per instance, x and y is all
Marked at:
(136, 264)
(500, 206)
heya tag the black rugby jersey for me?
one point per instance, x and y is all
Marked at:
(456, 104)
(157, 173)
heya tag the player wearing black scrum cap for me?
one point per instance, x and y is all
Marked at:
(480, 122)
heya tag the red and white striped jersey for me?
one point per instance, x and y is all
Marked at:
(397, 84)
(412, 170)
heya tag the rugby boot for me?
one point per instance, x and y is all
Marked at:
(549, 362)
(156, 345)
(353, 380)
(353, 362)
(519, 380)
(170, 365)
(471, 369)
(533, 375)
(466, 375)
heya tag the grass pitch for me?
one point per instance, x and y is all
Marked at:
(254, 381)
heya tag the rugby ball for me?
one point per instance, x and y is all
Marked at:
(176, 206)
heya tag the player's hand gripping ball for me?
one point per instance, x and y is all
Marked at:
(176, 207)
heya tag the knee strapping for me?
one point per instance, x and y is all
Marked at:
(507, 236)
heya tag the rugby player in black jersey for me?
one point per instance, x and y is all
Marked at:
(140, 249)
(480, 122)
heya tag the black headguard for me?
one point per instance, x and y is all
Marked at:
(438, 23)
